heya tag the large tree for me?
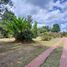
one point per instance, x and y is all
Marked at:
(8, 15)
(5, 14)
(56, 28)
(19, 28)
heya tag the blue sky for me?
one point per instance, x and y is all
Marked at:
(46, 12)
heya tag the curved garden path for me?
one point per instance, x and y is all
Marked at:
(63, 60)
(42, 57)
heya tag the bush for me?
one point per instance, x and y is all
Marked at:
(64, 34)
(46, 37)
(24, 36)
(49, 35)
(55, 35)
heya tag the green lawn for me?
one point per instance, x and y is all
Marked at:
(19, 54)
(54, 59)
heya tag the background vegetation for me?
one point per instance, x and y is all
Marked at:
(22, 29)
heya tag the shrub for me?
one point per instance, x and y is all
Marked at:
(46, 37)
(55, 35)
(3, 33)
(64, 34)
(49, 35)
(24, 36)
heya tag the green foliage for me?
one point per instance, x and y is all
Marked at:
(20, 28)
(24, 36)
(34, 30)
(56, 28)
(46, 36)
(8, 15)
(50, 35)
(46, 28)
(3, 33)
(64, 34)
(55, 34)
(43, 29)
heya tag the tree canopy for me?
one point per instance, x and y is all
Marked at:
(56, 28)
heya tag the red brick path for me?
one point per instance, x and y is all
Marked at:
(63, 61)
(42, 57)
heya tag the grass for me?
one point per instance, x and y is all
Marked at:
(18, 54)
(54, 59)
(47, 43)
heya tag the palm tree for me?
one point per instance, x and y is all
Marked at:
(20, 28)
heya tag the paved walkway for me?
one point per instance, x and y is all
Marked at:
(63, 61)
(41, 58)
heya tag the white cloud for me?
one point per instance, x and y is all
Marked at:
(64, 27)
(58, 4)
(42, 15)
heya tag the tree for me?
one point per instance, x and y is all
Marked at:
(20, 29)
(34, 30)
(3, 33)
(56, 28)
(29, 18)
(8, 15)
(44, 29)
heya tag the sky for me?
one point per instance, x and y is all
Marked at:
(45, 12)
